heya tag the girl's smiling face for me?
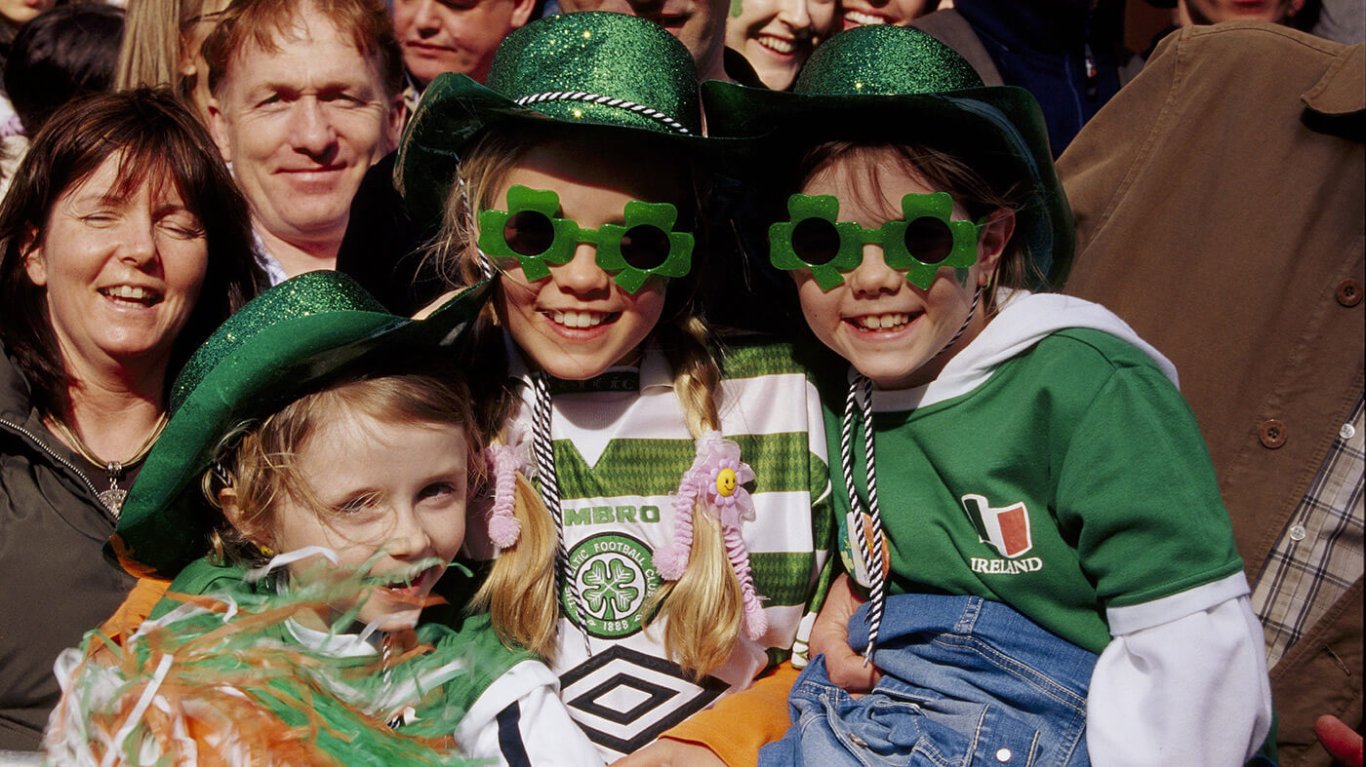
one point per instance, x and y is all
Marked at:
(578, 322)
(388, 495)
(890, 330)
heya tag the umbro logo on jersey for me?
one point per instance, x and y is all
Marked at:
(1004, 529)
(608, 515)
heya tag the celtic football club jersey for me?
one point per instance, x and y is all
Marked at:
(1052, 466)
(621, 447)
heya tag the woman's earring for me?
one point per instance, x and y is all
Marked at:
(265, 550)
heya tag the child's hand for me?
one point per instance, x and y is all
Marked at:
(667, 752)
(1339, 740)
(830, 637)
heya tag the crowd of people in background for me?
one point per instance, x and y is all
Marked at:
(399, 193)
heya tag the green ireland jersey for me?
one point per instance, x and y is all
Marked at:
(1070, 480)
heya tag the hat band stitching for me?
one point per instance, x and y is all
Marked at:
(593, 98)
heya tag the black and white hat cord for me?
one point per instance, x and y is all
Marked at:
(611, 101)
(858, 406)
(544, 452)
(858, 411)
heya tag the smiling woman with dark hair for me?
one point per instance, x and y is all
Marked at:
(125, 245)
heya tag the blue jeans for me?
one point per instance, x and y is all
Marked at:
(966, 681)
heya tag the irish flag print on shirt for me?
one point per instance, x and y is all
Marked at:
(1005, 529)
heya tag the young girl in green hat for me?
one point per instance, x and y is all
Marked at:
(324, 454)
(686, 484)
(1049, 572)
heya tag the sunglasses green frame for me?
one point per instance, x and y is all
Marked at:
(890, 236)
(568, 235)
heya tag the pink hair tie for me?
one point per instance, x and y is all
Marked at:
(506, 461)
(717, 479)
(672, 560)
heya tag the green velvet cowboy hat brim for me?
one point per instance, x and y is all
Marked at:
(605, 72)
(999, 130)
(285, 343)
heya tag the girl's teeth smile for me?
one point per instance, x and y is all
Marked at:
(579, 320)
(777, 44)
(410, 586)
(881, 321)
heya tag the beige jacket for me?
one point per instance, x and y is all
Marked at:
(1219, 202)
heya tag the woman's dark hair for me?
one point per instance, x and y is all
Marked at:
(64, 53)
(157, 142)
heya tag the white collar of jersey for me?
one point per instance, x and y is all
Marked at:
(1024, 319)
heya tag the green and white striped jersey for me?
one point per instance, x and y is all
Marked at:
(621, 446)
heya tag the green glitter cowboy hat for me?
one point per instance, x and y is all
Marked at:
(281, 345)
(590, 68)
(901, 84)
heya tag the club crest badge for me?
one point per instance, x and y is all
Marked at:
(615, 576)
(1006, 529)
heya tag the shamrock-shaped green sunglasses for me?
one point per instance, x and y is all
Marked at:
(926, 238)
(645, 246)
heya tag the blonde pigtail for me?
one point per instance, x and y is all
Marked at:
(705, 605)
(697, 377)
(520, 593)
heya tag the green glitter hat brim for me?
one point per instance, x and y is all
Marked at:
(997, 127)
(455, 110)
(274, 350)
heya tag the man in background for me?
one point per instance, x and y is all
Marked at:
(307, 95)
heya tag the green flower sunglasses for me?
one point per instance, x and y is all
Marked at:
(921, 242)
(529, 231)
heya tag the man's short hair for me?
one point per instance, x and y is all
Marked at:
(263, 22)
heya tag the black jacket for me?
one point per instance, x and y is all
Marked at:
(54, 583)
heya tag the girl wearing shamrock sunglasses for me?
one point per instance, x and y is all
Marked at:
(585, 283)
(1042, 571)
(665, 566)
(892, 274)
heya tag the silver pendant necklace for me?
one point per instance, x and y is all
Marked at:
(114, 496)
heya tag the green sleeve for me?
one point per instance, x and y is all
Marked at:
(1138, 494)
